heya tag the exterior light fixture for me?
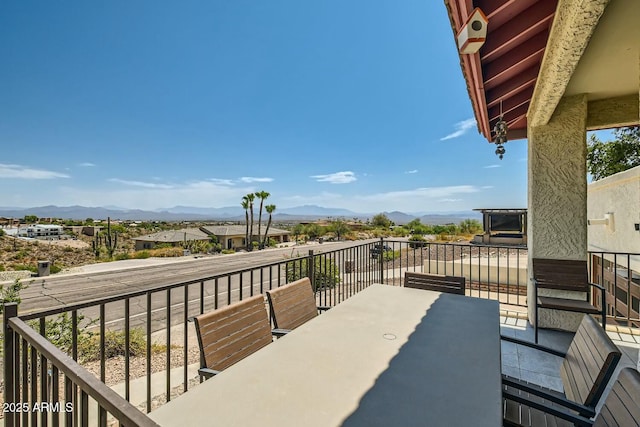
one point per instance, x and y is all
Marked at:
(500, 130)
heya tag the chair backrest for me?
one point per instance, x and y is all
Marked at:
(230, 334)
(292, 304)
(435, 282)
(565, 274)
(622, 405)
(589, 363)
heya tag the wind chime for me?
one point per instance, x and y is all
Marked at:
(500, 130)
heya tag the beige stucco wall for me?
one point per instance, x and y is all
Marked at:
(557, 205)
(618, 195)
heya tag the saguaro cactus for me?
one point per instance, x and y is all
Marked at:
(110, 239)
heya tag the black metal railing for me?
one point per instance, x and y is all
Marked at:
(619, 273)
(159, 316)
(43, 385)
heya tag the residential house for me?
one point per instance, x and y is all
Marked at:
(234, 236)
(171, 237)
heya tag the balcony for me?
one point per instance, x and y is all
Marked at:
(124, 387)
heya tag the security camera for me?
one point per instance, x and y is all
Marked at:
(473, 33)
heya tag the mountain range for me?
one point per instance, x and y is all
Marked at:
(229, 213)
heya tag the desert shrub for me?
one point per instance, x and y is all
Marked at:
(21, 254)
(59, 331)
(163, 252)
(54, 268)
(228, 251)
(417, 241)
(141, 255)
(325, 272)
(11, 293)
(121, 257)
(114, 345)
(24, 267)
(390, 255)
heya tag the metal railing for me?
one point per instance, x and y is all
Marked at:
(619, 273)
(36, 372)
(160, 316)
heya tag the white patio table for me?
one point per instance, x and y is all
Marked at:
(387, 356)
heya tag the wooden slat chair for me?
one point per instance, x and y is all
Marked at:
(292, 305)
(568, 275)
(585, 371)
(229, 334)
(621, 407)
(435, 282)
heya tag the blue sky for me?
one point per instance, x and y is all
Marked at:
(358, 105)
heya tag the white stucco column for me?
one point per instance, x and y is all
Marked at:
(557, 204)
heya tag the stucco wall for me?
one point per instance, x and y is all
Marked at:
(618, 194)
(557, 220)
(557, 206)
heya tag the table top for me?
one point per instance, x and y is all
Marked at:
(386, 356)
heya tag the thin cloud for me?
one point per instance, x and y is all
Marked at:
(412, 171)
(220, 181)
(336, 178)
(450, 200)
(141, 184)
(24, 172)
(486, 187)
(86, 165)
(250, 179)
(426, 192)
(492, 166)
(461, 128)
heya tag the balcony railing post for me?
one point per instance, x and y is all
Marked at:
(10, 310)
(381, 259)
(310, 270)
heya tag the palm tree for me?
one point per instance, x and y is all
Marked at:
(262, 195)
(245, 206)
(269, 209)
(251, 197)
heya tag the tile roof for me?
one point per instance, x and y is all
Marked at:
(172, 236)
(240, 230)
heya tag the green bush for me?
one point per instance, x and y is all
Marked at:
(53, 269)
(228, 251)
(417, 241)
(59, 331)
(325, 272)
(141, 255)
(25, 267)
(390, 255)
(121, 257)
(114, 345)
(11, 293)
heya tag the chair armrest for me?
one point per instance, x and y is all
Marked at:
(595, 285)
(207, 373)
(533, 345)
(544, 393)
(324, 307)
(280, 332)
(558, 412)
